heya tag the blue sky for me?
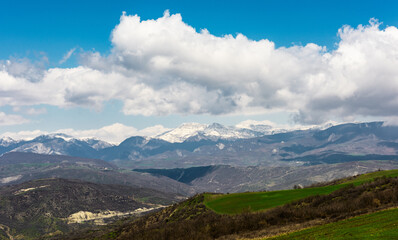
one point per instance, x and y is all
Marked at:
(37, 35)
(54, 27)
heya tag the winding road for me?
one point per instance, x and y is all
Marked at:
(6, 229)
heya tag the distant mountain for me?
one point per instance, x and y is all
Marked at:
(193, 145)
(21, 167)
(223, 179)
(16, 167)
(214, 132)
(182, 132)
(33, 158)
(337, 144)
(7, 141)
(60, 144)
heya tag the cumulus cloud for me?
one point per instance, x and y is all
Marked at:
(11, 119)
(24, 68)
(164, 66)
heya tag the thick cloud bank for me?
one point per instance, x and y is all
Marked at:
(164, 66)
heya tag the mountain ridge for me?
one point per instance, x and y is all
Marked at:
(339, 143)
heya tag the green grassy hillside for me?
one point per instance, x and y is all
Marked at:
(256, 201)
(379, 225)
(370, 176)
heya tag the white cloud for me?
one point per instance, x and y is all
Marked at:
(391, 121)
(11, 119)
(24, 135)
(153, 131)
(275, 127)
(25, 68)
(67, 56)
(30, 111)
(36, 111)
(114, 133)
(249, 123)
(164, 66)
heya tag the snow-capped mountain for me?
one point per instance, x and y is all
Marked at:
(63, 144)
(55, 144)
(183, 132)
(39, 148)
(215, 131)
(94, 143)
(7, 141)
(200, 144)
(97, 144)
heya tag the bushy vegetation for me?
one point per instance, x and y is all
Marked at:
(35, 209)
(379, 225)
(192, 220)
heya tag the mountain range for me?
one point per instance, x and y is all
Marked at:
(17, 167)
(201, 145)
(269, 162)
(185, 132)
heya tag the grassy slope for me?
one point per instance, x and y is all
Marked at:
(255, 201)
(379, 225)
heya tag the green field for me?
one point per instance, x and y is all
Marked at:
(370, 176)
(255, 201)
(379, 225)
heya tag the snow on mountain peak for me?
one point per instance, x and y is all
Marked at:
(6, 141)
(96, 144)
(63, 136)
(202, 131)
(39, 148)
(183, 132)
